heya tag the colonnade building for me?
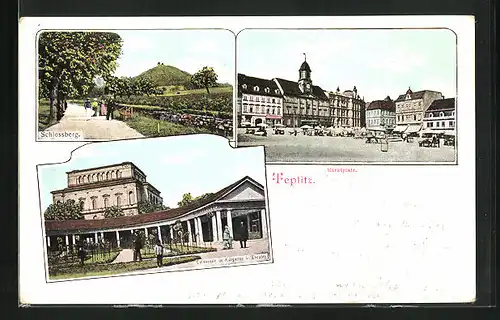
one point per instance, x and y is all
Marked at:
(201, 221)
(123, 185)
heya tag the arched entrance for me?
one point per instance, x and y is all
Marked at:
(258, 121)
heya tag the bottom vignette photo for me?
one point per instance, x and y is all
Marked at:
(154, 205)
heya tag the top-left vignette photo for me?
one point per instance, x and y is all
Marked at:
(126, 84)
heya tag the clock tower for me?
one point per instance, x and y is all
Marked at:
(305, 82)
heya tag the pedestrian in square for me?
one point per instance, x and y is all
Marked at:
(137, 247)
(227, 238)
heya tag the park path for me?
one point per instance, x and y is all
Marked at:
(75, 119)
(126, 255)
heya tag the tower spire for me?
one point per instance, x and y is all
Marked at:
(305, 58)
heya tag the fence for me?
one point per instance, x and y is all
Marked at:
(62, 254)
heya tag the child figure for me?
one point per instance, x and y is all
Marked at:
(159, 253)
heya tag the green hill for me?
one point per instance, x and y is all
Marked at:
(163, 75)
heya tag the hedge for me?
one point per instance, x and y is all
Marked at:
(217, 101)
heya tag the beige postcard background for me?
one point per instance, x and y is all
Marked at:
(384, 234)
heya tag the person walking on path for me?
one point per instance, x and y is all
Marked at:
(159, 253)
(243, 232)
(227, 238)
(95, 107)
(137, 247)
(110, 109)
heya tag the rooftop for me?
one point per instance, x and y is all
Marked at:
(442, 104)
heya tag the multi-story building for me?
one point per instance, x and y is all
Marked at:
(381, 114)
(301, 102)
(346, 108)
(96, 189)
(259, 101)
(410, 109)
(440, 115)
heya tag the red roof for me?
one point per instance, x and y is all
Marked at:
(140, 219)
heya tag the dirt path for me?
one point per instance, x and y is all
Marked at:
(75, 119)
(126, 255)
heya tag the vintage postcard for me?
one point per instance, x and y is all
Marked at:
(367, 100)
(145, 205)
(123, 84)
(348, 95)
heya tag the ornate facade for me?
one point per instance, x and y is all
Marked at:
(123, 185)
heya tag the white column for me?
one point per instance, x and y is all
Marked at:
(48, 241)
(200, 229)
(73, 239)
(190, 233)
(214, 228)
(171, 231)
(117, 238)
(95, 237)
(230, 223)
(132, 231)
(159, 234)
(219, 225)
(263, 220)
(146, 232)
(196, 230)
(66, 240)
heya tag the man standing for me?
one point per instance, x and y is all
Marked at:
(137, 247)
(243, 232)
(109, 110)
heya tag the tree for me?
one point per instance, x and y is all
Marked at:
(68, 62)
(113, 212)
(205, 78)
(148, 206)
(67, 210)
(187, 198)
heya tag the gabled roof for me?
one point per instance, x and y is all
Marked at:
(251, 82)
(413, 95)
(442, 104)
(141, 219)
(292, 88)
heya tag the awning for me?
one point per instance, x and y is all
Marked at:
(272, 117)
(376, 129)
(414, 128)
(400, 128)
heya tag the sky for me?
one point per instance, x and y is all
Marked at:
(188, 50)
(378, 62)
(174, 165)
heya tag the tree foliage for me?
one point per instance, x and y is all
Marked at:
(146, 206)
(68, 63)
(113, 212)
(187, 198)
(67, 210)
(205, 78)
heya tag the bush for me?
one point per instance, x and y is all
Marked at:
(219, 101)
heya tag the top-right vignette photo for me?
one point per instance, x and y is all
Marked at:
(348, 95)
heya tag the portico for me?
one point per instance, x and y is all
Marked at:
(198, 223)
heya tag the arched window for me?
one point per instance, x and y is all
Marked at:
(113, 175)
(118, 200)
(107, 175)
(93, 204)
(119, 174)
(130, 197)
(106, 202)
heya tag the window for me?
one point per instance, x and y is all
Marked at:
(82, 203)
(251, 109)
(267, 90)
(451, 123)
(256, 88)
(118, 200)
(441, 114)
(268, 99)
(244, 108)
(93, 204)
(274, 100)
(107, 175)
(257, 99)
(430, 115)
(277, 91)
(130, 197)
(437, 124)
(244, 86)
(414, 117)
(106, 202)
(442, 124)
(267, 111)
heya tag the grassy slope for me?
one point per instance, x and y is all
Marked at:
(197, 91)
(163, 75)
